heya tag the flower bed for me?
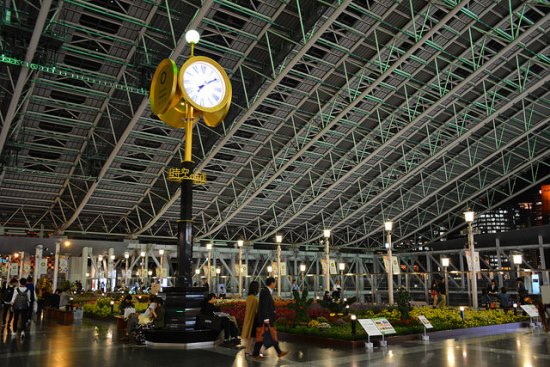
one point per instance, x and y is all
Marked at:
(322, 322)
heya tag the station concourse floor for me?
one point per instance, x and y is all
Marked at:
(92, 343)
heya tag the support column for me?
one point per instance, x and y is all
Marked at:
(84, 269)
(499, 263)
(111, 269)
(37, 260)
(185, 226)
(55, 266)
(545, 275)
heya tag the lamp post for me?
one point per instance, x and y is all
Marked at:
(518, 259)
(469, 217)
(326, 234)
(240, 243)
(445, 261)
(99, 270)
(218, 271)
(161, 254)
(388, 226)
(142, 254)
(279, 239)
(342, 267)
(197, 273)
(209, 275)
(303, 271)
(126, 257)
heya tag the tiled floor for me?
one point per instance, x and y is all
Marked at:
(93, 343)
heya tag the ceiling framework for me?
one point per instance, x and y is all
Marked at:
(345, 114)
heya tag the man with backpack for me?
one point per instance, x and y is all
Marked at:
(7, 296)
(20, 303)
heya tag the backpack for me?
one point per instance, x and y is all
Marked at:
(21, 300)
(8, 294)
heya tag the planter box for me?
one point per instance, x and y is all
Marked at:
(63, 317)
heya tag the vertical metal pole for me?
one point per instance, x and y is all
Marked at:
(209, 278)
(473, 272)
(390, 269)
(545, 275)
(327, 271)
(55, 266)
(240, 272)
(84, 270)
(111, 269)
(37, 260)
(499, 262)
(185, 223)
(446, 286)
(279, 269)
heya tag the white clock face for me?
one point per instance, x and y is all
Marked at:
(204, 84)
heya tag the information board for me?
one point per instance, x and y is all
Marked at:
(425, 322)
(370, 327)
(384, 326)
(531, 310)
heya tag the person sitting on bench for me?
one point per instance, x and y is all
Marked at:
(228, 324)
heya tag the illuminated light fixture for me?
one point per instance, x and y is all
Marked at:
(209, 246)
(388, 226)
(99, 257)
(218, 271)
(67, 243)
(518, 258)
(302, 267)
(269, 269)
(161, 252)
(279, 238)
(445, 261)
(326, 233)
(342, 266)
(469, 216)
(126, 255)
(197, 271)
(192, 36)
(240, 243)
(142, 254)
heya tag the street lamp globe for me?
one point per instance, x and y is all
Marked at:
(269, 269)
(326, 233)
(469, 216)
(342, 266)
(445, 261)
(240, 243)
(517, 258)
(388, 226)
(192, 36)
(279, 238)
(302, 267)
(161, 252)
(209, 246)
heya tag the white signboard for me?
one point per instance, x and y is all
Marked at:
(396, 270)
(384, 326)
(531, 310)
(275, 268)
(425, 322)
(369, 327)
(332, 265)
(42, 266)
(14, 269)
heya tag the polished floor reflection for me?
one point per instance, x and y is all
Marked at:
(94, 343)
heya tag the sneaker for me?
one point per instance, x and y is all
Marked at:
(282, 354)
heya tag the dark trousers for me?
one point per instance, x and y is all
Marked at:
(5, 311)
(229, 328)
(258, 346)
(23, 314)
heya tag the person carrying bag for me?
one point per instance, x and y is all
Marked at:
(266, 334)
